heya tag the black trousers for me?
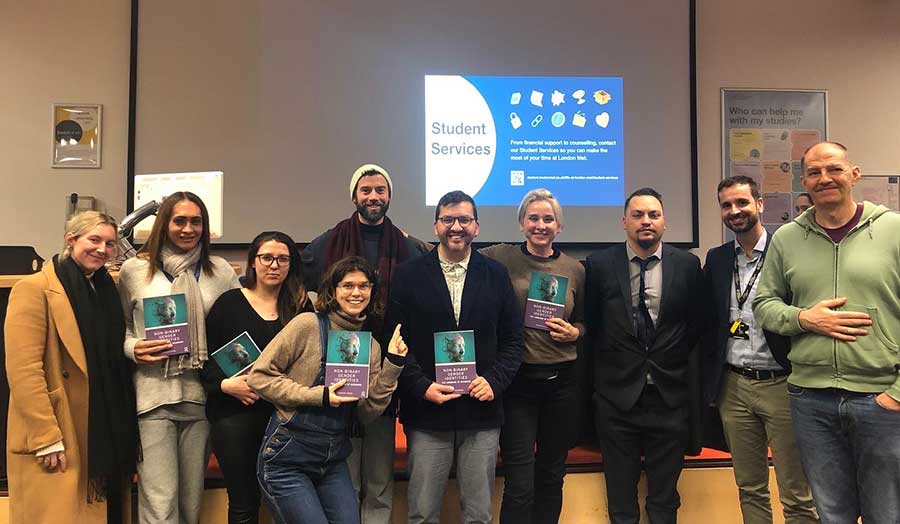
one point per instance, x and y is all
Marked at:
(654, 430)
(235, 441)
(540, 426)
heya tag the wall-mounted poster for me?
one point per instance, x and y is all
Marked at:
(879, 189)
(76, 135)
(764, 135)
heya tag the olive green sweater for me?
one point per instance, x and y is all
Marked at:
(804, 266)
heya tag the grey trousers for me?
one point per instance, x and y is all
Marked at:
(170, 478)
(430, 461)
(756, 415)
(372, 470)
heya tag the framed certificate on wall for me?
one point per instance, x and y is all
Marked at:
(76, 135)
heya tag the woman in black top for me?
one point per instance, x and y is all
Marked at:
(272, 296)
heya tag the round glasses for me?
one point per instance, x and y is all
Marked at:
(350, 286)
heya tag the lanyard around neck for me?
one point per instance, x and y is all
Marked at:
(196, 274)
(742, 297)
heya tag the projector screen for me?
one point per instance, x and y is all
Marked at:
(473, 146)
(591, 100)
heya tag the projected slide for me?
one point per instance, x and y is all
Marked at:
(497, 138)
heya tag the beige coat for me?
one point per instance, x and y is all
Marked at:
(47, 370)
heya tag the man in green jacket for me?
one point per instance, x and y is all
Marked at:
(832, 282)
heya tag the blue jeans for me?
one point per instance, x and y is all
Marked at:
(303, 475)
(850, 451)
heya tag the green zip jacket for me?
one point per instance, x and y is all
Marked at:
(803, 266)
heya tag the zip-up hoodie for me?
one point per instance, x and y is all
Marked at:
(804, 266)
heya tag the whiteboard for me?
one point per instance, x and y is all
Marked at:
(207, 185)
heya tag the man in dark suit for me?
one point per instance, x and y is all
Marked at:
(645, 313)
(746, 368)
(453, 288)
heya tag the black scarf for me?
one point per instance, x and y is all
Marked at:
(113, 442)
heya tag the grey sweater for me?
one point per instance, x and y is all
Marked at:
(285, 371)
(153, 389)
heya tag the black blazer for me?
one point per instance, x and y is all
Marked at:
(719, 273)
(420, 301)
(620, 364)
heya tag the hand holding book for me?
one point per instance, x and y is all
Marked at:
(439, 393)
(480, 389)
(562, 331)
(336, 400)
(146, 351)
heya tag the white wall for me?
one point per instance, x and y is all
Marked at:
(59, 51)
(851, 48)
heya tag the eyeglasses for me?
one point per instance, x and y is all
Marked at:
(350, 286)
(463, 220)
(268, 259)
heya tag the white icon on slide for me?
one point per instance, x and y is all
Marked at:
(537, 120)
(578, 120)
(557, 97)
(579, 96)
(515, 98)
(558, 119)
(602, 119)
(537, 98)
(515, 121)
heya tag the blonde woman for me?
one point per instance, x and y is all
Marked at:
(540, 404)
(71, 455)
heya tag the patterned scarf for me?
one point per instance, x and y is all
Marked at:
(181, 266)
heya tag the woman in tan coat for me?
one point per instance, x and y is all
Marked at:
(72, 443)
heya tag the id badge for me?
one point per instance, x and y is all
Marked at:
(739, 329)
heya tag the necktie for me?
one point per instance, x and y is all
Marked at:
(643, 322)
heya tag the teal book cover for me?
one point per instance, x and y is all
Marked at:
(237, 355)
(165, 318)
(546, 299)
(454, 359)
(347, 359)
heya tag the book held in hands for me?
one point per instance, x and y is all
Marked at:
(237, 355)
(347, 358)
(165, 318)
(454, 359)
(546, 299)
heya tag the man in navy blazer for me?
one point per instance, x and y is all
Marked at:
(454, 288)
(645, 315)
(745, 368)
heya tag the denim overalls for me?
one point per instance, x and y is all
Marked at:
(302, 467)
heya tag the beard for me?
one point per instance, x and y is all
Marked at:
(647, 242)
(750, 222)
(445, 241)
(372, 215)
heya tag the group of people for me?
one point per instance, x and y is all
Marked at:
(790, 338)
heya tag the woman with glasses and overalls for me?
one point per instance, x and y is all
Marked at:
(302, 468)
